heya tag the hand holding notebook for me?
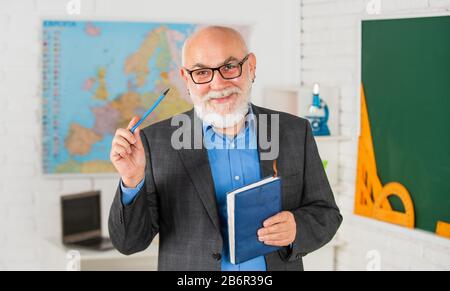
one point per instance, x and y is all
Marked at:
(248, 207)
(255, 224)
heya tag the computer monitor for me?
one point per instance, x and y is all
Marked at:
(81, 216)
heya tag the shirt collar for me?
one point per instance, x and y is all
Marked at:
(248, 132)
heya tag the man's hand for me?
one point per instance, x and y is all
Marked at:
(279, 230)
(128, 156)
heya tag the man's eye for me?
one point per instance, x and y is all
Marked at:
(230, 66)
(202, 73)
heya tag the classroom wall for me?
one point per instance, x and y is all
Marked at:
(29, 203)
(330, 55)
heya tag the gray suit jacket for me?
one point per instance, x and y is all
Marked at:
(178, 200)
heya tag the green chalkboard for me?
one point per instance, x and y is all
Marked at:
(406, 77)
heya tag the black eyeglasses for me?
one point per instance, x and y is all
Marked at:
(228, 71)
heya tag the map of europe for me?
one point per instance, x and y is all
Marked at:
(96, 77)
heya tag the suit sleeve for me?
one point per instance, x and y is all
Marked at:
(318, 218)
(133, 227)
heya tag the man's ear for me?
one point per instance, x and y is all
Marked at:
(184, 76)
(252, 64)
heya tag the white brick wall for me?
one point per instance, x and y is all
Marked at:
(29, 203)
(329, 55)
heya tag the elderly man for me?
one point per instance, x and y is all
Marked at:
(180, 193)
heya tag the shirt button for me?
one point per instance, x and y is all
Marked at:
(237, 178)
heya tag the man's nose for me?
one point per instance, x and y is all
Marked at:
(218, 82)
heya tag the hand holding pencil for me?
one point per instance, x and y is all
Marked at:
(127, 151)
(128, 156)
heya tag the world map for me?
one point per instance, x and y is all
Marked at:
(96, 77)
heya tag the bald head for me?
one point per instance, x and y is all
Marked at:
(211, 38)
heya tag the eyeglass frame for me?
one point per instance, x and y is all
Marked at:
(241, 63)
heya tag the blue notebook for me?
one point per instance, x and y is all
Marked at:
(247, 208)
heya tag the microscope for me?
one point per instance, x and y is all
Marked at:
(318, 114)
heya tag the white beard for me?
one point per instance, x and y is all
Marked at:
(209, 116)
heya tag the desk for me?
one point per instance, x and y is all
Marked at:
(110, 260)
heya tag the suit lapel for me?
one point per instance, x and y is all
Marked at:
(197, 166)
(265, 165)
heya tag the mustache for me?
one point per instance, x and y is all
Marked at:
(220, 94)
